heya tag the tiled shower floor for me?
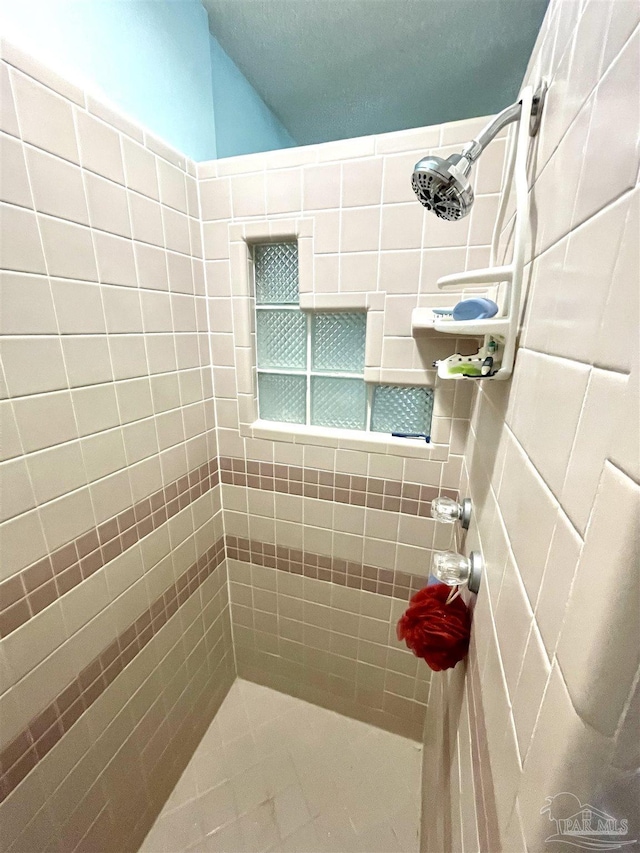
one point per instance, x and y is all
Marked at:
(274, 773)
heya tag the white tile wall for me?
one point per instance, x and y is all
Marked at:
(105, 300)
(367, 235)
(97, 416)
(552, 465)
(105, 290)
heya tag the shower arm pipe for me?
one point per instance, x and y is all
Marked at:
(477, 279)
(495, 273)
(472, 150)
(520, 231)
(511, 153)
(507, 325)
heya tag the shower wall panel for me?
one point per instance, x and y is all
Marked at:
(552, 466)
(328, 537)
(116, 639)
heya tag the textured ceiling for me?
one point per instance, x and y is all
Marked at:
(331, 69)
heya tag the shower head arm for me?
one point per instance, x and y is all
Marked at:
(472, 150)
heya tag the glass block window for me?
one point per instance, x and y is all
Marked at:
(338, 402)
(281, 339)
(337, 342)
(276, 273)
(311, 366)
(283, 398)
(400, 408)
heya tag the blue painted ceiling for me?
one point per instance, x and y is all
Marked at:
(333, 69)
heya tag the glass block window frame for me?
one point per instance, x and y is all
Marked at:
(331, 360)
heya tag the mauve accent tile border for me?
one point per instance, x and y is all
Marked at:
(24, 752)
(29, 747)
(487, 817)
(372, 492)
(395, 584)
(28, 592)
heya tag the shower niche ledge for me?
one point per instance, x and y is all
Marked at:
(501, 283)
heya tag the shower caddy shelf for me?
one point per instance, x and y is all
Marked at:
(500, 331)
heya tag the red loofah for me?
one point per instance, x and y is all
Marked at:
(434, 630)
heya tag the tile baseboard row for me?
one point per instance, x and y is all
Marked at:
(31, 745)
(319, 567)
(29, 591)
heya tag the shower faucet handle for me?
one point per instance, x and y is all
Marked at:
(449, 511)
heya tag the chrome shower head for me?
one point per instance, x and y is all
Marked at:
(442, 186)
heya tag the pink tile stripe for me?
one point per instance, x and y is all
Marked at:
(28, 592)
(320, 567)
(29, 747)
(488, 831)
(373, 492)
(24, 752)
